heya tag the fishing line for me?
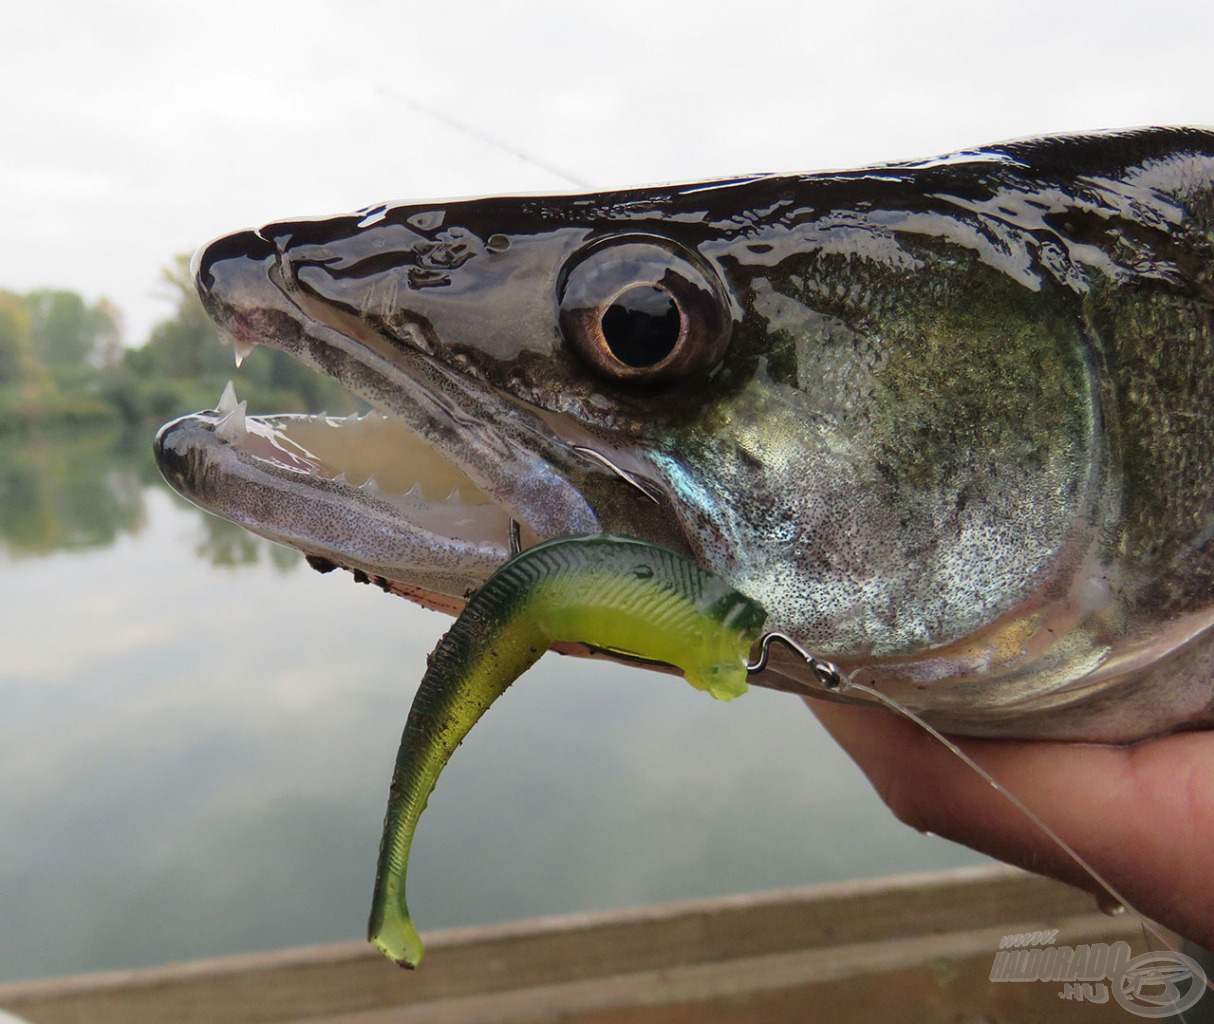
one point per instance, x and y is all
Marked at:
(443, 118)
(845, 683)
(835, 680)
(1016, 802)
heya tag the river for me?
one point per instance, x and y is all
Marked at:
(198, 734)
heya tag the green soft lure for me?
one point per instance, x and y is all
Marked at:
(623, 595)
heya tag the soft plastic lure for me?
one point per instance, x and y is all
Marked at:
(626, 596)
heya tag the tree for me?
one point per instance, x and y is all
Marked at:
(60, 330)
(67, 333)
(16, 358)
(106, 320)
(186, 344)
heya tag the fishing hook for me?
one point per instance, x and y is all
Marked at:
(827, 673)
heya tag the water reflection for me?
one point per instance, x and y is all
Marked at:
(195, 754)
(225, 544)
(77, 491)
(85, 490)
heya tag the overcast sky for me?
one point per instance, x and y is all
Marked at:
(134, 129)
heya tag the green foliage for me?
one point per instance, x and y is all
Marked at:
(186, 345)
(51, 343)
(16, 359)
(107, 333)
(59, 327)
(67, 333)
(62, 361)
(50, 407)
(77, 411)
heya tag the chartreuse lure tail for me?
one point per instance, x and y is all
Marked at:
(616, 593)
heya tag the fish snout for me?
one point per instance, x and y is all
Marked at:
(240, 283)
(219, 263)
(179, 453)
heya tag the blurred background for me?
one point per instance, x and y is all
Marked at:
(197, 733)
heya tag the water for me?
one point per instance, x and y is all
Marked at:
(198, 733)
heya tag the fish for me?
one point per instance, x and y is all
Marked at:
(618, 592)
(950, 421)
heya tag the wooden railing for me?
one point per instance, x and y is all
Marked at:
(908, 949)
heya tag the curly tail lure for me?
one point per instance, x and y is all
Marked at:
(626, 596)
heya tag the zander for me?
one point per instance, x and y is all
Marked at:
(950, 422)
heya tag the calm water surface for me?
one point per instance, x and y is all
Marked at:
(198, 734)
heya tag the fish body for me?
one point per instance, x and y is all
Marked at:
(617, 592)
(950, 421)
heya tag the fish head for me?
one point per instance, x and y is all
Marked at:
(531, 353)
(871, 400)
(772, 375)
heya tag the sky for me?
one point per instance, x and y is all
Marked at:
(136, 129)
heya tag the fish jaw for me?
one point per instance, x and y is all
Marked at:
(254, 471)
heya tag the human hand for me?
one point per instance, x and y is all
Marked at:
(1143, 816)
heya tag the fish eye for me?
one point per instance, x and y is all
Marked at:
(641, 310)
(642, 326)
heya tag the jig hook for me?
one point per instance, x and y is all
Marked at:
(827, 673)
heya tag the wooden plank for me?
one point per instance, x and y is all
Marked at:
(941, 978)
(766, 950)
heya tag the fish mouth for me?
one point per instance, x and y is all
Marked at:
(360, 492)
(423, 492)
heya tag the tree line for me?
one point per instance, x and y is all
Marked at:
(62, 362)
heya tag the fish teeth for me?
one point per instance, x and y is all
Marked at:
(371, 485)
(232, 427)
(418, 339)
(240, 347)
(227, 401)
